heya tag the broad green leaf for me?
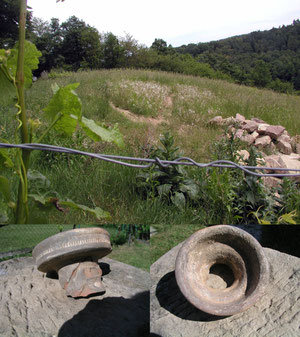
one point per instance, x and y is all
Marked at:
(47, 201)
(97, 212)
(5, 160)
(66, 104)
(288, 218)
(99, 132)
(190, 188)
(164, 189)
(7, 89)
(31, 61)
(178, 199)
(5, 188)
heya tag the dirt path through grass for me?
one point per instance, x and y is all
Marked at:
(140, 119)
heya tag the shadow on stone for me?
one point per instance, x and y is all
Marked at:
(105, 268)
(111, 317)
(171, 299)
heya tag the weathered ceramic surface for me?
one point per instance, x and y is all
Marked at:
(222, 270)
(73, 255)
(277, 313)
(70, 247)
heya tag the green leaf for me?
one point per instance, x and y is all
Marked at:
(5, 160)
(64, 109)
(178, 199)
(288, 218)
(97, 211)
(31, 61)
(41, 199)
(164, 189)
(7, 88)
(5, 188)
(47, 201)
(99, 132)
(190, 188)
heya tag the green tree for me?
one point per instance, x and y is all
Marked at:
(160, 46)
(112, 51)
(48, 39)
(9, 18)
(261, 74)
(81, 44)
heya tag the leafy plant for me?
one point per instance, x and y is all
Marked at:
(171, 184)
(64, 113)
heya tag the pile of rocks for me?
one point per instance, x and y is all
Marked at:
(283, 150)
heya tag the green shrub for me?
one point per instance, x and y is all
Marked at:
(171, 184)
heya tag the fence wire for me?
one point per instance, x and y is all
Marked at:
(125, 160)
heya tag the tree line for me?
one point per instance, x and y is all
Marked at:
(265, 59)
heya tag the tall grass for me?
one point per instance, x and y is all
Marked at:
(194, 101)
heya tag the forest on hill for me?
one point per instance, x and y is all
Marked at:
(258, 58)
(269, 59)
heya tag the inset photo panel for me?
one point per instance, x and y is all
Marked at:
(224, 280)
(74, 280)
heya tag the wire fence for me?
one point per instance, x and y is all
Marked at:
(126, 161)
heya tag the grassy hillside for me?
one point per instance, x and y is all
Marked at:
(145, 104)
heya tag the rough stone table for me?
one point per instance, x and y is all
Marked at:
(33, 304)
(276, 314)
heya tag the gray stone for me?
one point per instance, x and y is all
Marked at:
(33, 304)
(274, 131)
(261, 129)
(283, 146)
(290, 161)
(271, 181)
(229, 121)
(217, 120)
(240, 118)
(262, 142)
(250, 126)
(257, 120)
(255, 135)
(275, 314)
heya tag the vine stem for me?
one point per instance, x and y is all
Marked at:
(22, 203)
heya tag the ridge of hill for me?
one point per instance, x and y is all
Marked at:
(258, 58)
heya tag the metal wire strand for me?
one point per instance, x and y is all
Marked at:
(122, 160)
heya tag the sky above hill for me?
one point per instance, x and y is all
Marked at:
(176, 22)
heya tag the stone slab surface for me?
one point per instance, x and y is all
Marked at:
(276, 314)
(33, 304)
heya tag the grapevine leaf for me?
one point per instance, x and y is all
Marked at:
(5, 160)
(47, 201)
(97, 211)
(99, 132)
(7, 89)
(5, 188)
(31, 61)
(64, 105)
